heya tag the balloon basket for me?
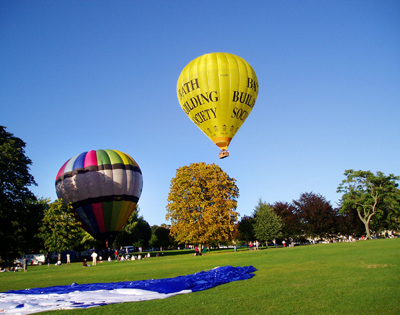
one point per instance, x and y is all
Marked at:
(223, 154)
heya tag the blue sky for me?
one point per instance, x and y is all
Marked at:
(83, 75)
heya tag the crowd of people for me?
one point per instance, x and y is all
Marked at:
(67, 257)
(11, 268)
(99, 259)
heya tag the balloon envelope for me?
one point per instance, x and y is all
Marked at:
(217, 92)
(104, 187)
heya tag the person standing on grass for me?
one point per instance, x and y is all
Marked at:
(68, 259)
(94, 256)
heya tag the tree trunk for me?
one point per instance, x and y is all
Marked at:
(366, 222)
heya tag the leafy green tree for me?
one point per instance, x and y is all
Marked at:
(389, 219)
(153, 228)
(88, 241)
(19, 211)
(267, 224)
(31, 223)
(153, 243)
(60, 230)
(142, 233)
(246, 229)
(372, 195)
(136, 232)
(201, 205)
(161, 237)
(348, 223)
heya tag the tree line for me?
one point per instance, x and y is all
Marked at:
(201, 208)
(311, 217)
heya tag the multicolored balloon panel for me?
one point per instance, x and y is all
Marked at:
(104, 187)
(217, 92)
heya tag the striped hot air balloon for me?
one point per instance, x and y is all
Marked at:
(104, 187)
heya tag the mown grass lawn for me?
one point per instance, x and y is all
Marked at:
(340, 278)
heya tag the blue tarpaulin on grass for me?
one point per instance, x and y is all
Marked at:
(95, 294)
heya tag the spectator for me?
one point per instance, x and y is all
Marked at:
(94, 257)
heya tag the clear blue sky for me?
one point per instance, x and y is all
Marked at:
(82, 75)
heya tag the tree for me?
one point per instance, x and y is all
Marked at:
(160, 237)
(60, 230)
(267, 224)
(17, 202)
(142, 233)
(246, 229)
(371, 195)
(136, 232)
(201, 205)
(389, 219)
(316, 215)
(290, 219)
(30, 223)
(348, 223)
(88, 241)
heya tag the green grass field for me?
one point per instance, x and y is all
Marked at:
(340, 278)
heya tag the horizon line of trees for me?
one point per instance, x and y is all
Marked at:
(309, 217)
(201, 207)
(370, 205)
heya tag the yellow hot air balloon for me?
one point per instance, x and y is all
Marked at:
(218, 91)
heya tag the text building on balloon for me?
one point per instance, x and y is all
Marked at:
(212, 97)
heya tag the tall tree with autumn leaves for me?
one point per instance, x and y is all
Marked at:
(201, 205)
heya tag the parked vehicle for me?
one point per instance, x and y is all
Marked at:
(31, 259)
(41, 258)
